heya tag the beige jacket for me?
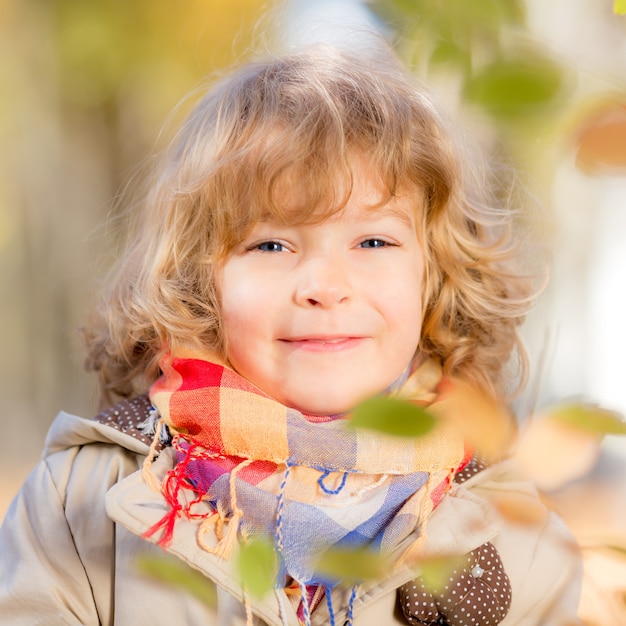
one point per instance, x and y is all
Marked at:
(69, 543)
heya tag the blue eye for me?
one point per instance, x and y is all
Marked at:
(374, 243)
(270, 246)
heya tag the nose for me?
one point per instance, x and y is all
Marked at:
(322, 282)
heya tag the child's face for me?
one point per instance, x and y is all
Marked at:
(322, 316)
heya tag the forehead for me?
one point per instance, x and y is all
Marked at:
(358, 190)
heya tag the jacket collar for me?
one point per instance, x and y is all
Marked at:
(458, 525)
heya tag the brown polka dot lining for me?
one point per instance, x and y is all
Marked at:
(477, 593)
(128, 417)
(477, 464)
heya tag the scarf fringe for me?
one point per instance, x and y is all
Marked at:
(329, 604)
(280, 599)
(411, 554)
(304, 603)
(281, 508)
(350, 616)
(311, 597)
(248, 607)
(174, 482)
(148, 477)
(226, 542)
(178, 478)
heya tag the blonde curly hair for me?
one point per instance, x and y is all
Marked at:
(303, 117)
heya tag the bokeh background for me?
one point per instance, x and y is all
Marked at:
(91, 89)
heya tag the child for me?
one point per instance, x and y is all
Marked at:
(311, 242)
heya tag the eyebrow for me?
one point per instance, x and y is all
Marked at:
(390, 208)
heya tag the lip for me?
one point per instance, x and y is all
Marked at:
(324, 343)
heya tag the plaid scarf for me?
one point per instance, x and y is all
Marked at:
(306, 483)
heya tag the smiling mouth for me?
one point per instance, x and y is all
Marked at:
(324, 344)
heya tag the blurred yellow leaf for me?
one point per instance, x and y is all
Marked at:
(619, 7)
(485, 424)
(553, 451)
(526, 511)
(618, 551)
(601, 140)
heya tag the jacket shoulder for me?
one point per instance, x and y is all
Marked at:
(122, 425)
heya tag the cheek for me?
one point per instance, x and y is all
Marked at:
(240, 330)
(238, 314)
(246, 309)
(234, 303)
(403, 304)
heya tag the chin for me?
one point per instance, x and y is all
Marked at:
(338, 407)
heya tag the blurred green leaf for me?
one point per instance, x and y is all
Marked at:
(351, 565)
(257, 566)
(460, 13)
(175, 573)
(619, 6)
(485, 13)
(448, 53)
(392, 416)
(406, 6)
(514, 11)
(590, 418)
(515, 88)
